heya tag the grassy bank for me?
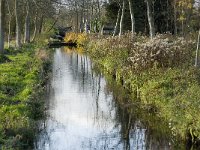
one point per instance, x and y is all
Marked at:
(159, 75)
(22, 78)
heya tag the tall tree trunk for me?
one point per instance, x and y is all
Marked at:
(18, 31)
(92, 16)
(27, 25)
(41, 24)
(35, 28)
(2, 14)
(197, 51)
(132, 17)
(99, 9)
(83, 16)
(117, 22)
(122, 19)
(86, 26)
(9, 23)
(150, 18)
(175, 18)
(81, 23)
(77, 16)
(167, 25)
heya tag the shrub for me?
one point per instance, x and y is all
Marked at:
(79, 38)
(162, 51)
(159, 74)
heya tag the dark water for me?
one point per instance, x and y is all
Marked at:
(84, 113)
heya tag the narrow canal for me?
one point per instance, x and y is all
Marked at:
(83, 114)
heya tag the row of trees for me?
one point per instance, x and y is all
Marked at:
(82, 15)
(22, 20)
(152, 16)
(145, 16)
(27, 18)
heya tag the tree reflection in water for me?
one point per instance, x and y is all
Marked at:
(84, 112)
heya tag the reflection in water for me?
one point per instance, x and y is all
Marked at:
(83, 115)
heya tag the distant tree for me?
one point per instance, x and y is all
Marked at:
(150, 18)
(18, 27)
(117, 22)
(2, 15)
(10, 16)
(27, 23)
(132, 16)
(122, 18)
(197, 51)
(185, 11)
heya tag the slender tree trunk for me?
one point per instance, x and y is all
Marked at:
(182, 25)
(150, 18)
(52, 26)
(77, 17)
(2, 14)
(83, 17)
(132, 17)
(197, 51)
(122, 19)
(117, 22)
(41, 24)
(91, 15)
(88, 18)
(102, 26)
(167, 15)
(175, 18)
(86, 26)
(9, 23)
(99, 9)
(81, 23)
(35, 28)
(9, 31)
(27, 25)
(18, 31)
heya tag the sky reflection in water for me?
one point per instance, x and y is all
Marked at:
(84, 116)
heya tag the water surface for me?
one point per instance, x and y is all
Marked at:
(83, 114)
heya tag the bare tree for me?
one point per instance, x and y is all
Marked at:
(18, 30)
(27, 24)
(2, 14)
(197, 51)
(117, 22)
(9, 22)
(150, 18)
(122, 19)
(132, 17)
(35, 26)
(175, 18)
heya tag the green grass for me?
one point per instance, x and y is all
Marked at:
(21, 80)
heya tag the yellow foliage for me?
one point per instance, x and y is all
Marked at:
(70, 37)
(82, 39)
(185, 4)
(182, 18)
(80, 49)
(79, 38)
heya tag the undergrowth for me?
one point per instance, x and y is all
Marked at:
(159, 74)
(22, 80)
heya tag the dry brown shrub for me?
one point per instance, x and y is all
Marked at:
(162, 51)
